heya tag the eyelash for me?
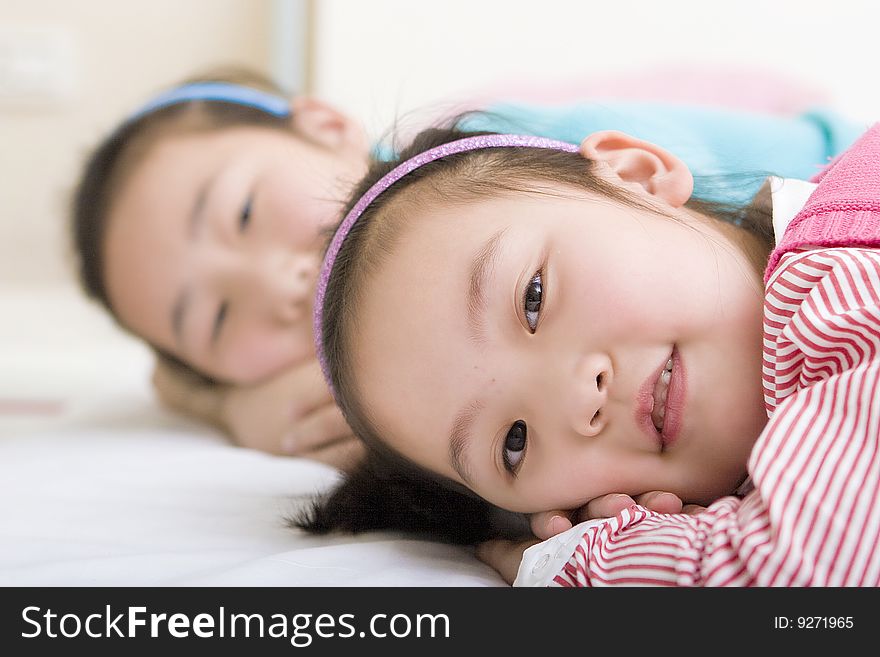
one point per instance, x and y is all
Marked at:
(518, 431)
(244, 219)
(219, 319)
(533, 298)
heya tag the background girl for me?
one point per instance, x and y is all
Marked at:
(197, 224)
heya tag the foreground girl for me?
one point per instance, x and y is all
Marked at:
(536, 325)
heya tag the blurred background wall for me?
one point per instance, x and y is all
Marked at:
(70, 70)
(417, 52)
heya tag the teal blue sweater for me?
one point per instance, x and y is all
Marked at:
(730, 152)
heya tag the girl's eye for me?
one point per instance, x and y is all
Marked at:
(245, 217)
(532, 300)
(514, 446)
(219, 319)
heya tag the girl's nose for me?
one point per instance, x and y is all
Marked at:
(289, 283)
(592, 378)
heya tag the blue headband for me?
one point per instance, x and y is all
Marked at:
(226, 92)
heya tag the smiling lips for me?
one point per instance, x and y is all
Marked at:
(661, 390)
(660, 401)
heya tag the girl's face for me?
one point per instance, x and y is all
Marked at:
(522, 346)
(214, 242)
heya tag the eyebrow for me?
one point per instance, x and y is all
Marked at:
(482, 269)
(196, 218)
(460, 440)
(479, 280)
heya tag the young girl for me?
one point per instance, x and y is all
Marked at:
(197, 224)
(537, 325)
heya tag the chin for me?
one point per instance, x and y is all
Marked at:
(722, 472)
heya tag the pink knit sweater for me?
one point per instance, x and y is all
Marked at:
(844, 210)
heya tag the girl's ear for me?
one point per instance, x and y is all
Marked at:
(627, 161)
(326, 126)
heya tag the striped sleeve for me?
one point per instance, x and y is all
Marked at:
(813, 518)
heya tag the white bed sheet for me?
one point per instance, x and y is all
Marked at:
(100, 486)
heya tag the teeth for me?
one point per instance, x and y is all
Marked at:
(661, 390)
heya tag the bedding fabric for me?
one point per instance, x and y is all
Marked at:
(101, 487)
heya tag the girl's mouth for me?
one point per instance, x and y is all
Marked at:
(661, 390)
(660, 401)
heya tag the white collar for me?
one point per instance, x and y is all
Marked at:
(787, 196)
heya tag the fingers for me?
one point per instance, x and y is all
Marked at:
(319, 428)
(307, 388)
(490, 552)
(547, 524)
(169, 386)
(606, 506)
(182, 394)
(610, 505)
(504, 556)
(660, 501)
(692, 509)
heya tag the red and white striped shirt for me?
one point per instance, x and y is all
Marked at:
(813, 516)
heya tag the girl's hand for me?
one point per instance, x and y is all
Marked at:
(292, 413)
(504, 556)
(549, 523)
(183, 392)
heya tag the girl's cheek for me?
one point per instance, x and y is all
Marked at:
(299, 225)
(253, 356)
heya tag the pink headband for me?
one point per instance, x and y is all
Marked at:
(410, 165)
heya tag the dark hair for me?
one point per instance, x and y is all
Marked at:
(476, 174)
(113, 159)
(387, 492)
